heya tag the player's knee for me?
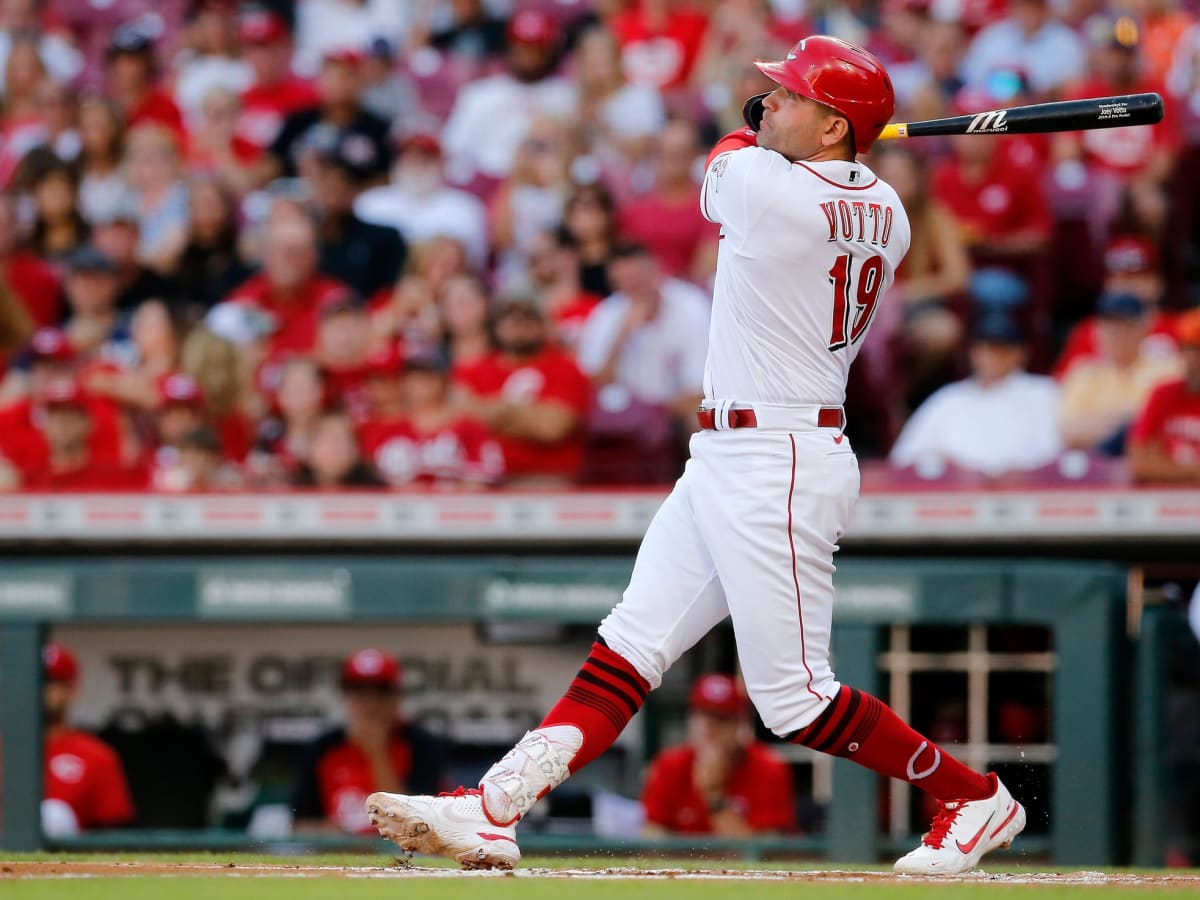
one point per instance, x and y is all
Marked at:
(792, 713)
(645, 661)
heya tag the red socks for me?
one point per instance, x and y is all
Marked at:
(600, 701)
(863, 729)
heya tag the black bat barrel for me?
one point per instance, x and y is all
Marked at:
(1041, 118)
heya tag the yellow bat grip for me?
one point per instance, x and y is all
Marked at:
(894, 130)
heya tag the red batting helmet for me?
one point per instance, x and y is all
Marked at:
(842, 76)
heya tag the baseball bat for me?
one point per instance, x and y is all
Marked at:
(1040, 118)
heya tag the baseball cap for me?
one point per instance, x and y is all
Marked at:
(64, 392)
(719, 694)
(997, 289)
(1130, 255)
(1187, 328)
(420, 142)
(997, 328)
(131, 38)
(59, 664)
(385, 361)
(258, 25)
(371, 667)
(1120, 305)
(51, 344)
(181, 389)
(89, 258)
(532, 26)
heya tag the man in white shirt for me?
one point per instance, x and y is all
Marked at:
(647, 341)
(1028, 40)
(998, 420)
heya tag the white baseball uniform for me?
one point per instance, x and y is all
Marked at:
(807, 249)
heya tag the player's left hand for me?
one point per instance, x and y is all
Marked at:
(752, 110)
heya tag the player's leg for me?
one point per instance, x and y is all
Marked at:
(672, 600)
(781, 520)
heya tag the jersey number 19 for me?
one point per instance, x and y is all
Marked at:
(866, 293)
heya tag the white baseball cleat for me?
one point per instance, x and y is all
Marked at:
(963, 831)
(452, 825)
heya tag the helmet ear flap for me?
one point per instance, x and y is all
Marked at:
(752, 111)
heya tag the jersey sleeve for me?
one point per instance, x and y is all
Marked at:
(738, 183)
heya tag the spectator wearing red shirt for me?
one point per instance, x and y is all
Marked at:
(722, 781)
(131, 75)
(84, 782)
(33, 283)
(1164, 443)
(668, 219)
(375, 750)
(660, 41)
(531, 395)
(289, 288)
(275, 92)
(1131, 266)
(343, 342)
(432, 443)
(553, 265)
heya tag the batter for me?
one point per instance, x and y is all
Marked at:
(810, 240)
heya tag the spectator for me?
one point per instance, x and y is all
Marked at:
(491, 116)
(329, 25)
(91, 286)
(667, 218)
(115, 233)
(21, 126)
(999, 420)
(334, 459)
(131, 78)
(590, 219)
(16, 326)
(384, 384)
(367, 257)
(432, 443)
(660, 42)
(420, 205)
(931, 282)
(289, 288)
(285, 437)
(374, 750)
(33, 284)
(210, 266)
(1101, 396)
(155, 344)
(1164, 443)
(59, 228)
(463, 307)
(343, 342)
(646, 344)
(224, 370)
(208, 60)
(62, 60)
(470, 32)
(199, 465)
(554, 278)
(215, 146)
(722, 781)
(156, 176)
(275, 93)
(85, 786)
(531, 395)
(338, 113)
(1030, 40)
(102, 182)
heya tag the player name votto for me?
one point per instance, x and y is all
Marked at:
(856, 220)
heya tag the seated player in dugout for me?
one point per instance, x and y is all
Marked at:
(84, 785)
(721, 781)
(373, 748)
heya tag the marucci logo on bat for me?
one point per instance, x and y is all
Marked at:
(988, 122)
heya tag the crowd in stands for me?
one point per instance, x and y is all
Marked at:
(456, 243)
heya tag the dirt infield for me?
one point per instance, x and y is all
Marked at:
(72, 870)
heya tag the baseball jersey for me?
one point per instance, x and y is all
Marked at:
(1172, 417)
(456, 452)
(807, 250)
(86, 774)
(759, 790)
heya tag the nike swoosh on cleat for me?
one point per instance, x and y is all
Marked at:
(970, 845)
(495, 837)
(1011, 816)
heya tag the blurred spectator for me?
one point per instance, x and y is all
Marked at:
(329, 25)
(1163, 25)
(210, 266)
(383, 384)
(365, 256)
(375, 749)
(937, 79)
(215, 146)
(998, 420)
(1164, 443)
(154, 336)
(115, 233)
(16, 325)
(289, 287)
(285, 437)
(58, 227)
(420, 205)
(225, 370)
(91, 288)
(58, 115)
(667, 218)
(24, 17)
(198, 465)
(33, 284)
(85, 786)
(531, 395)
(342, 345)
(470, 32)
(931, 282)
(102, 182)
(208, 59)
(722, 781)
(660, 41)
(645, 345)
(463, 307)
(432, 443)
(1100, 396)
(386, 91)
(337, 115)
(1031, 40)
(554, 277)
(21, 126)
(590, 217)
(131, 79)
(334, 459)
(275, 93)
(491, 116)
(155, 173)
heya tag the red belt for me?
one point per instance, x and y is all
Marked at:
(827, 417)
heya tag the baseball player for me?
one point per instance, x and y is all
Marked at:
(810, 239)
